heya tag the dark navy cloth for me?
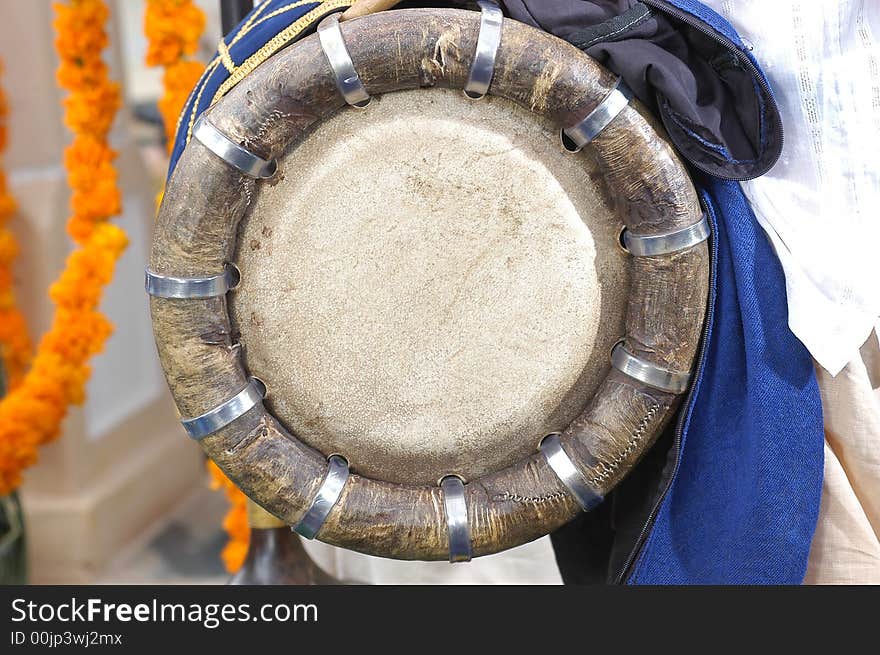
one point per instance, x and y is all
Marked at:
(687, 65)
(736, 492)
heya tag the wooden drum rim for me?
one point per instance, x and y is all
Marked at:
(276, 106)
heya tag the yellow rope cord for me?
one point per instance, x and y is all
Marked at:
(282, 10)
(275, 43)
(223, 49)
(237, 72)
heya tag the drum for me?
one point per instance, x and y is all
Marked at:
(420, 323)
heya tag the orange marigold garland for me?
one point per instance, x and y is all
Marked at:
(236, 521)
(32, 413)
(173, 29)
(15, 344)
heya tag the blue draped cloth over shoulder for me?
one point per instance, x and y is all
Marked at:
(270, 26)
(742, 504)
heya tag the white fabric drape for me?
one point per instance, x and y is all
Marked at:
(533, 563)
(820, 204)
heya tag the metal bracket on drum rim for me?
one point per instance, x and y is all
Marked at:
(650, 374)
(212, 286)
(597, 120)
(488, 40)
(456, 519)
(213, 420)
(569, 475)
(233, 154)
(665, 244)
(326, 498)
(347, 80)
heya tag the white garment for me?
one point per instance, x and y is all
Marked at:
(846, 546)
(820, 204)
(532, 563)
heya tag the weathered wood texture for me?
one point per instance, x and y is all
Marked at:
(275, 106)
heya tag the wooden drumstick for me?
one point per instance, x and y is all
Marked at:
(365, 7)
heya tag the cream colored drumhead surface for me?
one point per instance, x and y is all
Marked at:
(432, 285)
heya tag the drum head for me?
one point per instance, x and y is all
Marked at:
(431, 286)
(428, 287)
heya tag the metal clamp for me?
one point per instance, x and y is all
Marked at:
(569, 475)
(664, 244)
(648, 373)
(488, 40)
(166, 286)
(347, 80)
(597, 120)
(327, 496)
(456, 519)
(233, 154)
(208, 423)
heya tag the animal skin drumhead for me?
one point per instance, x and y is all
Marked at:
(431, 286)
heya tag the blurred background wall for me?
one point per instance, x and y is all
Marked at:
(123, 464)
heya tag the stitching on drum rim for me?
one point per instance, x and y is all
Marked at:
(506, 496)
(632, 438)
(608, 469)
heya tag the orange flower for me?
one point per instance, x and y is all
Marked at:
(31, 414)
(236, 521)
(91, 110)
(79, 29)
(179, 80)
(15, 343)
(173, 29)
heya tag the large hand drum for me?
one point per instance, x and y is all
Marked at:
(411, 323)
